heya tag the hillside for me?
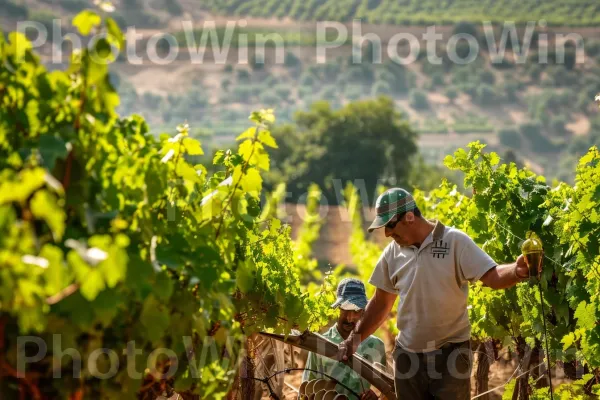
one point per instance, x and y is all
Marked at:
(156, 13)
(555, 12)
(541, 112)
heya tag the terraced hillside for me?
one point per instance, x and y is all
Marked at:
(580, 13)
(555, 12)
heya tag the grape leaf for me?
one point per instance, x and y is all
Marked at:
(85, 21)
(252, 182)
(192, 146)
(265, 138)
(154, 318)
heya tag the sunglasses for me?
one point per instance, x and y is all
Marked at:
(392, 224)
(394, 221)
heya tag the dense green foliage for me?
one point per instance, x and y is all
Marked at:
(366, 141)
(110, 235)
(505, 204)
(414, 11)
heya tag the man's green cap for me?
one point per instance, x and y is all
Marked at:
(392, 202)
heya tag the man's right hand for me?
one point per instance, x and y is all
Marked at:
(348, 347)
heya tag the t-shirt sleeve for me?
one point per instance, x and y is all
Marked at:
(474, 262)
(380, 277)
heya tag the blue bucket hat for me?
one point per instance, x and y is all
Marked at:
(351, 295)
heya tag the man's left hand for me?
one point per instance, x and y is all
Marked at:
(368, 395)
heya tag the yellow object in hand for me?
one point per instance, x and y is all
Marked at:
(533, 251)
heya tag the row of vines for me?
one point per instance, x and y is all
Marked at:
(506, 203)
(413, 12)
(112, 238)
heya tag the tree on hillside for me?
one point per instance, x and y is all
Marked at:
(418, 100)
(451, 94)
(365, 140)
(468, 28)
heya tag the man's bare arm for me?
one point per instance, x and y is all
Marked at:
(506, 276)
(376, 313)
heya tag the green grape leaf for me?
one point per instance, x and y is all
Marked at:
(77, 309)
(184, 381)
(264, 116)
(263, 160)
(85, 21)
(44, 206)
(494, 159)
(187, 172)
(114, 268)
(249, 133)
(92, 284)
(56, 275)
(163, 288)
(252, 182)
(586, 159)
(155, 183)
(96, 72)
(219, 157)
(29, 180)
(52, 148)
(568, 340)
(597, 193)
(265, 138)
(586, 315)
(155, 318)
(245, 276)
(139, 273)
(106, 305)
(192, 146)
(115, 35)
(18, 44)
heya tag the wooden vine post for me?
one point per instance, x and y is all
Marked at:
(247, 369)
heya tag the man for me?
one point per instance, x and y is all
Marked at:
(429, 266)
(351, 300)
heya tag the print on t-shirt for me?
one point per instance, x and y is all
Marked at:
(440, 249)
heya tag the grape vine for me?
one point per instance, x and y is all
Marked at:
(505, 204)
(308, 234)
(110, 236)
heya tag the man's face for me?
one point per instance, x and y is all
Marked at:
(402, 231)
(348, 320)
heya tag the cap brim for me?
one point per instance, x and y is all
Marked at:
(337, 303)
(354, 303)
(348, 306)
(380, 221)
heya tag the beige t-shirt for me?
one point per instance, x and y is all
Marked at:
(432, 282)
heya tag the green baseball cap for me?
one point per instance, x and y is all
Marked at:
(392, 202)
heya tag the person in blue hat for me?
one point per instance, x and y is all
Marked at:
(351, 301)
(428, 267)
